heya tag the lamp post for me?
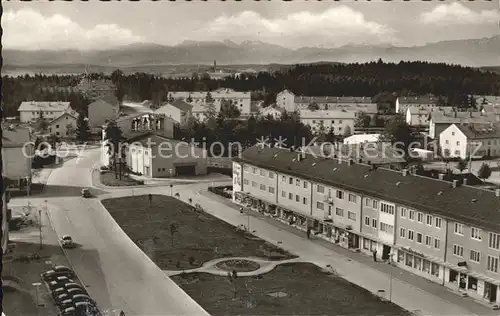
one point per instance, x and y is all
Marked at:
(390, 282)
(248, 218)
(40, 226)
(171, 188)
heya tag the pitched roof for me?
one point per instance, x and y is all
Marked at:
(151, 139)
(330, 99)
(464, 204)
(424, 110)
(373, 153)
(44, 106)
(15, 136)
(71, 113)
(480, 131)
(99, 103)
(327, 114)
(439, 117)
(423, 99)
(181, 105)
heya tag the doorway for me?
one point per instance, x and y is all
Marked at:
(490, 292)
(386, 250)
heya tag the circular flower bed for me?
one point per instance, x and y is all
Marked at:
(238, 265)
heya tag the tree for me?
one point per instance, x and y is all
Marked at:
(229, 110)
(461, 165)
(398, 133)
(70, 130)
(113, 138)
(174, 228)
(484, 171)
(321, 129)
(53, 140)
(82, 129)
(41, 124)
(209, 98)
(313, 106)
(189, 99)
(347, 131)
(362, 120)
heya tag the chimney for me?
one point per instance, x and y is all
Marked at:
(454, 183)
(441, 176)
(497, 192)
(405, 172)
(350, 162)
(464, 181)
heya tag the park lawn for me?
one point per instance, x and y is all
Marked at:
(309, 291)
(109, 179)
(200, 237)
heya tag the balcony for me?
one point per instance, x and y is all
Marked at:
(329, 200)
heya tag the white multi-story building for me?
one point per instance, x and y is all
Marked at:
(291, 103)
(441, 120)
(420, 115)
(274, 112)
(31, 111)
(339, 122)
(178, 110)
(17, 155)
(240, 99)
(426, 101)
(65, 125)
(464, 140)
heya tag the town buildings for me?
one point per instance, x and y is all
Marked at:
(95, 89)
(178, 110)
(339, 122)
(156, 156)
(440, 120)
(420, 115)
(101, 110)
(17, 156)
(464, 140)
(484, 100)
(426, 101)
(240, 99)
(274, 112)
(64, 126)
(448, 233)
(361, 138)
(291, 103)
(31, 111)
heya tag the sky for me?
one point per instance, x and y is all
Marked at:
(101, 25)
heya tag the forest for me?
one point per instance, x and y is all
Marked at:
(367, 79)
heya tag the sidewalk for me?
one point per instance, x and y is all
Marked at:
(409, 291)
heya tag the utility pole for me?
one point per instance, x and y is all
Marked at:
(390, 284)
(40, 226)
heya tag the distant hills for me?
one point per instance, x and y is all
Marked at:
(472, 52)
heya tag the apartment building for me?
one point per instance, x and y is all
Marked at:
(483, 100)
(420, 115)
(30, 111)
(338, 121)
(240, 99)
(464, 140)
(65, 125)
(101, 110)
(95, 89)
(425, 101)
(441, 120)
(178, 110)
(429, 227)
(17, 156)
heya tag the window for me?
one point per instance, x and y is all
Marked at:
(411, 215)
(271, 190)
(475, 233)
(368, 202)
(245, 168)
(428, 241)
(375, 204)
(262, 172)
(254, 170)
(437, 243)
(290, 180)
(438, 222)
(320, 206)
(402, 232)
(283, 179)
(340, 194)
(283, 193)
(305, 185)
(458, 250)
(351, 216)
(386, 208)
(271, 175)
(494, 241)
(297, 182)
(57, 126)
(419, 238)
(245, 181)
(429, 220)
(254, 184)
(374, 223)
(263, 187)
(321, 189)
(352, 198)
(475, 256)
(367, 221)
(297, 198)
(411, 234)
(420, 217)
(290, 196)
(339, 212)
(492, 264)
(386, 228)
(304, 200)
(403, 212)
(459, 229)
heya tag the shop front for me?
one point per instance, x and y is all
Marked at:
(420, 264)
(476, 286)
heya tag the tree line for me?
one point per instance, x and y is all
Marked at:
(358, 79)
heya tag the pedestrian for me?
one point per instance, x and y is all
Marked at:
(375, 255)
(308, 233)
(122, 313)
(150, 197)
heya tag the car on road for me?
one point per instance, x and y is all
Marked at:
(86, 193)
(67, 242)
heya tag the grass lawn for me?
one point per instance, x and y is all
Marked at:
(298, 288)
(200, 237)
(109, 179)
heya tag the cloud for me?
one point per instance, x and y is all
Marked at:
(457, 13)
(334, 27)
(28, 29)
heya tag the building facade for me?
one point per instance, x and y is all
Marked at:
(178, 110)
(65, 125)
(239, 99)
(99, 111)
(441, 120)
(427, 102)
(339, 122)
(17, 156)
(392, 215)
(465, 140)
(31, 111)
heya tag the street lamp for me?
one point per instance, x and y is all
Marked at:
(391, 268)
(40, 226)
(171, 187)
(248, 218)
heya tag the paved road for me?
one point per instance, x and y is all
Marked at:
(117, 273)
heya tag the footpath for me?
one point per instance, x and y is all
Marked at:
(409, 291)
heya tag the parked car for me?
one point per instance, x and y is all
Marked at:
(67, 242)
(64, 269)
(55, 284)
(58, 291)
(83, 308)
(74, 291)
(52, 274)
(82, 298)
(66, 304)
(86, 193)
(74, 286)
(61, 298)
(70, 311)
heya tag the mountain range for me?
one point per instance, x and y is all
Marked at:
(470, 52)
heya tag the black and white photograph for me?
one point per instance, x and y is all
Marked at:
(195, 158)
